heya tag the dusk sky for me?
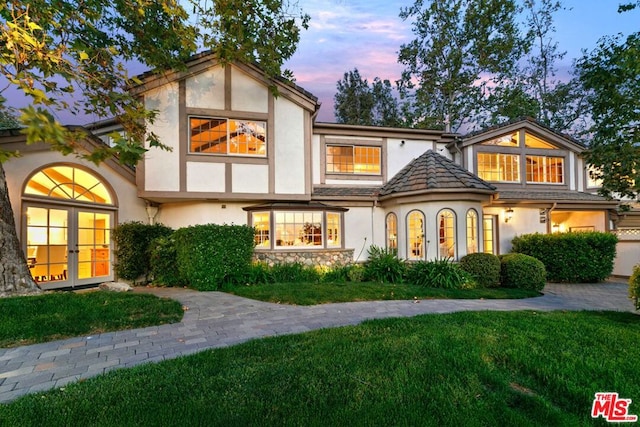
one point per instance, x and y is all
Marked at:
(367, 34)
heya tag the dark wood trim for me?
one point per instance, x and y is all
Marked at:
(183, 133)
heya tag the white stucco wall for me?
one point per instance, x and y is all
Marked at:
(161, 167)
(523, 221)
(205, 177)
(177, 215)
(399, 155)
(315, 159)
(206, 90)
(290, 161)
(362, 229)
(250, 178)
(247, 94)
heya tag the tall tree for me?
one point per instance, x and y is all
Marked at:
(72, 55)
(460, 45)
(358, 103)
(611, 75)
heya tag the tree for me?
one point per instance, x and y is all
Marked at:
(358, 103)
(72, 55)
(460, 45)
(611, 75)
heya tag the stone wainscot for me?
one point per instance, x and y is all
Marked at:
(320, 257)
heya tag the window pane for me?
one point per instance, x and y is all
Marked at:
(541, 169)
(472, 232)
(208, 135)
(367, 160)
(302, 229)
(339, 159)
(531, 141)
(510, 140)
(447, 233)
(248, 138)
(488, 234)
(334, 231)
(392, 231)
(499, 167)
(260, 221)
(415, 235)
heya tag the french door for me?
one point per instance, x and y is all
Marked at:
(68, 246)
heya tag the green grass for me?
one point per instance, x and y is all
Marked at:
(321, 293)
(461, 369)
(34, 319)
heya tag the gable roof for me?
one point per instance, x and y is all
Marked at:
(434, 172)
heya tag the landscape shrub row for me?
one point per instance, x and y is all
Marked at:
(571, 257)
(133, 243)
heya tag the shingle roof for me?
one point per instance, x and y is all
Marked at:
(345, 192)
(565, 195)
(431, 171)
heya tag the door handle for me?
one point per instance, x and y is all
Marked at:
(74, 252)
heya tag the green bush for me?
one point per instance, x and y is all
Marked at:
(384, 266)
(356, 273)
(336, 274)
(571, 257)
(294, 273)
(211, 255)
(132, 241)
(163, 262)
(484, 268)
(258, 273)
(634, 286)
(522, 271)
(441, 273)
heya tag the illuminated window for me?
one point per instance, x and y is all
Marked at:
(510, 140)
(415, 236)
(333, 230)
(489, 234)
(447, 234)
(353, 159)
(392, 231)
(498, 167)
(262, 225)
(542, 169)
(297, 229)
(531, 141)
(227, 136)
(70, 183)
(472, 231)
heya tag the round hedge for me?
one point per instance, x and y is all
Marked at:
(522, 271)
(484, 268)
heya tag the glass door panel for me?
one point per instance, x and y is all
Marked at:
(47, 244)
(94, 252)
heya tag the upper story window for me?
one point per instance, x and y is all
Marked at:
(531, 141)
(353, 159)
(547, 170)
(499, 167)
(212, 135)
(510, 140)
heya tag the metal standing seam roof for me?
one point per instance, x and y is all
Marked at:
(432, 171)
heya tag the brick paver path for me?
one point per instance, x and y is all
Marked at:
(217, 319)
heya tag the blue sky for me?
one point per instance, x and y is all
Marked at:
(367, 34)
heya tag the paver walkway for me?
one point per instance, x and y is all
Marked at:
(217, 319)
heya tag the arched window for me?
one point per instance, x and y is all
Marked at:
(68, 183)
(472, 231)
(447, 234)
(392, 231)
(415, 236)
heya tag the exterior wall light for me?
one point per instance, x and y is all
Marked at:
(508, 214)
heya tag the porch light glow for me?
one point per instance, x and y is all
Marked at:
(508, 214)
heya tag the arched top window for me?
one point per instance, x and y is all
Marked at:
(415, 236)
(392, 231)
(472, 231)
(67, 182)
(447, 234)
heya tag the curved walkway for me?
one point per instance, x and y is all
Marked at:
(215, 319)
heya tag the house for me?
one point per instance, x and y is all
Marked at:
(318, 193)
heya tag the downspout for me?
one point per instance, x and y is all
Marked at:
(152, 211)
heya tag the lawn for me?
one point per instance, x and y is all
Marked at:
(321, 293)
(461, 369)
(34, 319)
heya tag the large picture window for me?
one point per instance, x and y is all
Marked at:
(353, 159)
(498, 167)
(296, 229)
(542, 169)
(209, 135)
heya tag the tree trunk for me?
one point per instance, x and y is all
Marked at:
(15, 277)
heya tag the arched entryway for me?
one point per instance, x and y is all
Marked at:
(68, 214)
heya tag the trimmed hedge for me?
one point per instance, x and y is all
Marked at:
(522, 271)
(483, 267)
(634, 286)
(571, 257)
(133, 240)
(163, 262)
(210, 255)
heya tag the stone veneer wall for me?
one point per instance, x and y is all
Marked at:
(326, 257)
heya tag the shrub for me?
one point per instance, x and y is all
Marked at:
(571, 257)
(384, 266)
(163, 262)
(442, 273)
(484, 268)
(258, 273)
(522, 271)
(336, 274)
(210, 255)
(356, 273)
(294, 273)
(634, 286)
(133, 240)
